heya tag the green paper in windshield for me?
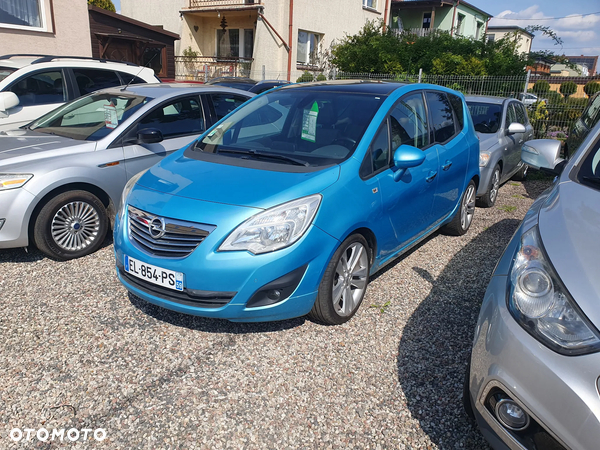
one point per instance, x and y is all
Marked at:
(309, 123)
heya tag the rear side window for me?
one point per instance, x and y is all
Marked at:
(442, 119)
(127, 77)
(41, 88)
(90, 80)
(457, 106)
(225, 103)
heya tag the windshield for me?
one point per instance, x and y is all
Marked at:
(295, 126)
(90, 118)
(5, 72)
(487, 117)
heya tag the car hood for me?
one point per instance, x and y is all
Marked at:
(487, 140)
(234, 185)
(569, 224)
(22, 146)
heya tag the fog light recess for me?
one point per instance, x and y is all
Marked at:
(511, 415)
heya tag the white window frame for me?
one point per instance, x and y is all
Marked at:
(308, 53)
(373, 4)
(44, 27)
(460, 23)
(478, 29)
(242, 35)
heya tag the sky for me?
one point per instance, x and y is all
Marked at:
(579, 29)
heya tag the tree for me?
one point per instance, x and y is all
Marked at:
(104, 4)
(541, 87)
(591, 88)
(568, 88)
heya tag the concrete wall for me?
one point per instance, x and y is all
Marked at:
(70, 35)
(524, 40)
(157, 12)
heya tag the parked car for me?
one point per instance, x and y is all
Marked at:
(588, 120)
(502, 126)
(62, 176)
(529, 99)
(535, 366)
(287, 206)
(248, 84)
(32, 85)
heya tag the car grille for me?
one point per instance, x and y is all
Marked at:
(164, 237)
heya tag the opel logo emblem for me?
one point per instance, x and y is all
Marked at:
(157, 227)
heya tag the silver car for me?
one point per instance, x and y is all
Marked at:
(502, 126)
(61, 177)
(534, 375)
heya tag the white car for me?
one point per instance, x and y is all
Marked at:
(32, 85)
(529, 99)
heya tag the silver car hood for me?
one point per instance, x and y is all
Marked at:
(487, 140)
(569, 224)
(23, 146)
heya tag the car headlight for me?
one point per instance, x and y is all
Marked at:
(484, 157)
(126, 190)
(275, 228)
(541, 304)
(13, 180)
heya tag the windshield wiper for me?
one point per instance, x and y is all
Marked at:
(259, 154)
(593, 180)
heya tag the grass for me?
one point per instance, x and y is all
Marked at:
(508, 208)
(515, 184)
(518, 196)
(383, 307)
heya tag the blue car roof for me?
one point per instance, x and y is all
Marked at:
(350, 86)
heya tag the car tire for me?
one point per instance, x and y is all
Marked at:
(521, 174)
(343, 288)
(464, 216)
(71, 225)
(489, 198)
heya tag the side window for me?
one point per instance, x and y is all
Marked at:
(90, 80)
(380, 149)
(442, 119)
(521, 114)
(41, 88)
(457, 106)
(127, 77)
(408, 122)
(177, 118)
(511, 115)
(592, 113)
(225, 103)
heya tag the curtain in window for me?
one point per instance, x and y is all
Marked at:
(302, 48)
(21, 12)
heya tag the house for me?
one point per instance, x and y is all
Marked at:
(46, 27)
(561, 70)
(258, 38)
(456, 17)
(121, 38)
(523, 37)
(541, 66)
(588, 61)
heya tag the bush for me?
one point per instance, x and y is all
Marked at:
(568, 88)
(541, 87)
(305, 77)
(554, 98)
(591, 88)
(321, 77)
(104, 4)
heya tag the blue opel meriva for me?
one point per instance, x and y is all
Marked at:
(287, 205)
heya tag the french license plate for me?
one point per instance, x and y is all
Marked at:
(154, 274)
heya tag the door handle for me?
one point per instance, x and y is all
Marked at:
(447, 165)
(431, 176)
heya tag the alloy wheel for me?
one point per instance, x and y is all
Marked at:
(75, 226)
(468, 207)
(350, 279)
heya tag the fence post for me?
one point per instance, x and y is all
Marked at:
(527, 81)
(263, 72)
(420, 74)
(206, 73)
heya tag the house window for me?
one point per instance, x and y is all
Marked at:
(22, 14)
(478, 30)
(426, 20)
(308, 47)
(234, 42)
(491, 37)
(459, 24)
(370, 4)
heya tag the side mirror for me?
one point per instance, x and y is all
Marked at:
(542, 154)
(8, 100)
(405, 157)
(149, 136)
(515, 128)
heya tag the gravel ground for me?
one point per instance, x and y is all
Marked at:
(78, 352)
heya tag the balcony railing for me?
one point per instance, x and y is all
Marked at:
(200, 4)
(204, 68)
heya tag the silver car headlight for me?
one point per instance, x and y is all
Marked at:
(126, 190)
(275, 228)
(484, 158)
(13, 180)
(541, 304)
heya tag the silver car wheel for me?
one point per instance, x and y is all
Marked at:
(350, 279)
(468, 207)
(495, 185)
(75, 226)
